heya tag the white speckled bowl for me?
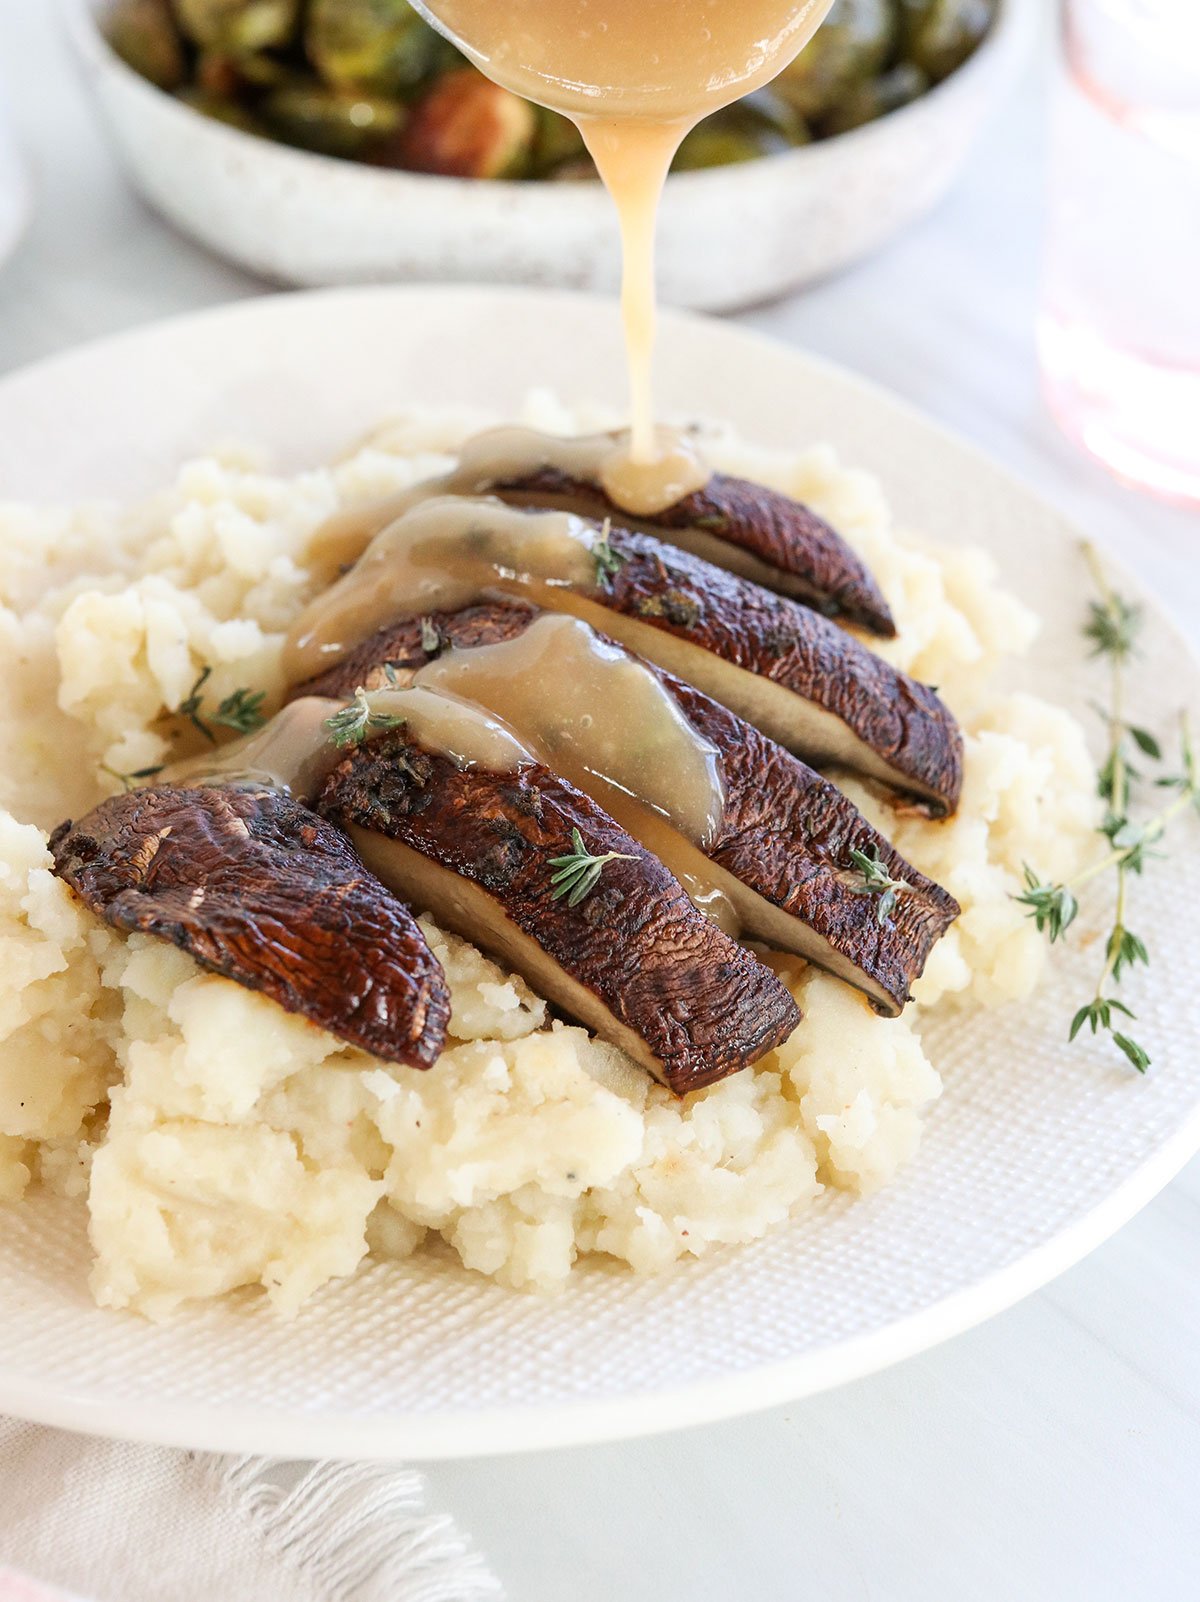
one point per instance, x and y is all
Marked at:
(730, 236)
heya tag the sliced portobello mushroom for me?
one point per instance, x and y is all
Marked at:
(260, 890)
(747, 528)
(630, 958)
(792, 673)
(784, 853)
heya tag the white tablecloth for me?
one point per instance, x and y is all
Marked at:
(118, 1523)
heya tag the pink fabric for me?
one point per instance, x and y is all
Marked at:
(16, 1587)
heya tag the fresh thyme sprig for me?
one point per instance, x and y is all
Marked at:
(358, 720)
(608, 560)
(578, 872)
(1113, 625)
(877, 881)
(242, 711)
(130, 781)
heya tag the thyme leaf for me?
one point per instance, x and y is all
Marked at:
(190, 706)
(358, 720)
(1112, 626)
(877, 881)
(577, 874)
(130, 781)
(241, 711)
(609, 561)
(1054, 907)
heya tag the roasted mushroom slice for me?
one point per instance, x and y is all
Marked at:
(792, 673)
(747, 528)
(528, 867)
(787, 850)
(260, 890)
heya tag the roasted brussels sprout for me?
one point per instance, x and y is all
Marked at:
(939, 35)
(381, 45)
(876, 98)
(226, 77)
(760, 126)
(557, 145)
(370, 80)
(333, 122)
(144, 35)
(229, 112)
(238, 26)
(466, 126)
(853, 44)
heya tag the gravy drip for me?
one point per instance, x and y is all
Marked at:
(502, 455)
(598, 718)
(443, 555)
(292, 752)
(509, 454)
(296, 751)
(635, 76)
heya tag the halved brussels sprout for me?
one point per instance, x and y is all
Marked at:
(854, 43)
(230, 112)
(763, 125)
(875, 98)
(557, 144)
(466, 126)
(227, 77)
(333, 122)
(144, 35)
(238, 26)
(381, 45)
(939, 35)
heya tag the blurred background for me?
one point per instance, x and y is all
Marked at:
(993, 199)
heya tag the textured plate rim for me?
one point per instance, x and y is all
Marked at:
(511, 1431)
(507, 1431)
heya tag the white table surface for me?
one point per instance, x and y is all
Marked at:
(1053, 1454)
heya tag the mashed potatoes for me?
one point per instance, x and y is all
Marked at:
(219, 1142)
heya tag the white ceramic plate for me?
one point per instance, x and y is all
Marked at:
(1034, 1155)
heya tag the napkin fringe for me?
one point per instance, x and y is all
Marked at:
(358, 1532)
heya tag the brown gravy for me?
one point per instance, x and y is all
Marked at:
(597, 717)
(505, 705)
(296, 750)
(443, 555)
(510, 454)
